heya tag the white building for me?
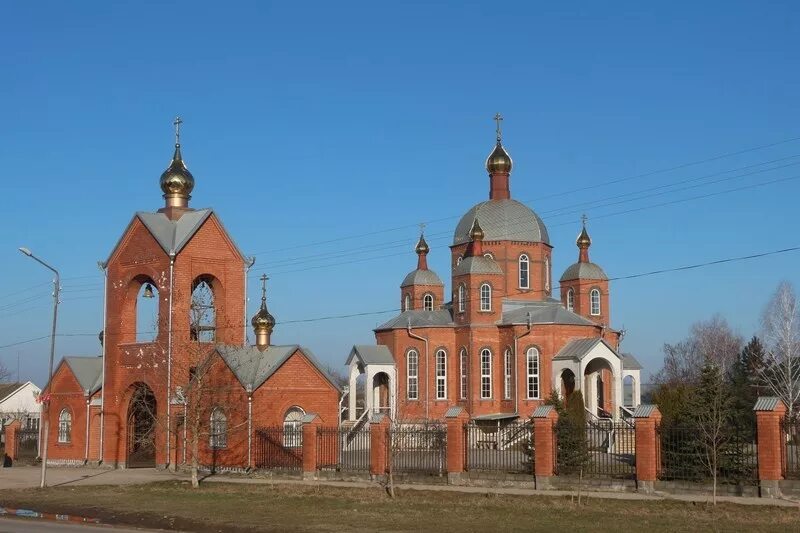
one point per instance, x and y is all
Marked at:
(18, 402)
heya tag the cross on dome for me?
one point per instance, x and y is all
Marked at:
(177, 123)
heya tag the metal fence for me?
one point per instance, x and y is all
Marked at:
(685, 454)
(279, 448)
(611, 449)
(791, 449)
(499, 448)
(417, 449)
(27, 445)
(343, 449)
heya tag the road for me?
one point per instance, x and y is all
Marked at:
(35, 525)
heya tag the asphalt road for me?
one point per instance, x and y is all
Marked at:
(36, 525)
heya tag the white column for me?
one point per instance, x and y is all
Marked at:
(369, 391)
(351, 396)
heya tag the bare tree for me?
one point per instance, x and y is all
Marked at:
(781, 332)
(5, 373)
(712, 420)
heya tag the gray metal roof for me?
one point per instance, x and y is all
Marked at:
(419, 318)
(7, 389)
(542, 312)
(502, 220)
(577, 349)
(543, 411)
(644, 410)
(495, 416)
(453, 412)
(253, 367)
(421, 277)
(583, 271)
(766, 403)
(477, 265)
(370, 354)
(88, 371)
(629, 362)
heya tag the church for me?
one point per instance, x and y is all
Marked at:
(194, 388)
(499, 343)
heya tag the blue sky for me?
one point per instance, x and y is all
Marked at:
(323, 122)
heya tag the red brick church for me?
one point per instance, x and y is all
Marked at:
(499, 342)
(140, 403)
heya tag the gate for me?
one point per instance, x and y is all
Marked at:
(27, 444)
(507, 448)
(279, 448)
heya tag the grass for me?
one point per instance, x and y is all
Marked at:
(238, 507)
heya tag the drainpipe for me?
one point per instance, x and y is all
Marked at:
(248, 263)
(516, 364)
(169, 348)
(427, 370)
(249, 426)
(103, 266)
(86, 448)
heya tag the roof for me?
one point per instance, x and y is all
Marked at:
(88, 371)
(577, 349)
(502, 220)
(543, 411)
(766, 403)
(253, 367)
(477, 265)
(495, 416)
(583, 271)
(644, 410)
(541, 312)
(371, 354)
(418, 318)
(629, 362)
(7, 389)
(421, 277)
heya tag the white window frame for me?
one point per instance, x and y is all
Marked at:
(464, 361)
(218, 434)
(486, 374)
(459, 259)
(524, 264)
(293, 429)
(486, 297)
(427, 302)
(407, 302)
(488, 255)
(532, 365)
(507, 374)
(571, 299)
(64, 426)
(441, 374)
(412, 374)
(594, 302)
(547, 274)
(461, 298)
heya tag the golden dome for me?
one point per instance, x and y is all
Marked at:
(499, 160)
(476, 233)
(583, 240)
(177, 181)
(263, 320)
(422, 246)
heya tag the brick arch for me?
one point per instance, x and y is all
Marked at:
(217, 289)
(127, 319)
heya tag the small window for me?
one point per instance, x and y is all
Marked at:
(441, 375)
(524, 272)
(486, 373)
(595, 301)
(488, 255)
(507, 375)
(412, 374)
(64, 426)
(219, 429)
(427, 302)
(533, 373)
(293, 428)
(547, 274)
(459, 259)
(406, 303)
(461, 298)
(464, 363)
(571, 300)
(486, 297)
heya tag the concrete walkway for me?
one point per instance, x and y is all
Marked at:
(28, 477)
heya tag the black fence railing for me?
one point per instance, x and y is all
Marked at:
(686, 454)
(790, 454)
(341, 449)
(505, 448)
(611, 450)
(417, 449)
(279, 448)
(27, 444)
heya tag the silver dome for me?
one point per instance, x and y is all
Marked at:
(503, 220)
(584, 271)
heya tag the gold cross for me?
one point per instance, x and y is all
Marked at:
(264, 279)
(177, 123)
(422, 228)
(584, 218)
(498, 118)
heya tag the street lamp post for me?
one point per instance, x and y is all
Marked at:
(45, 403)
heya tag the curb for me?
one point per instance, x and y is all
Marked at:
(28, 513)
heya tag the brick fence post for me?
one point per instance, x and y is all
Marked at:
(11, 439)
(648, 447)
(769, 414)
(456, 418)
(310, 424)
(378, 433)
(545, 418)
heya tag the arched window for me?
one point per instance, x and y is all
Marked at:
(202, 312)
(464, 363)
(293, 428)
(488, 255)
(218, 437)
(461, 298)
(486, 373)
(64, 426)
(533, 373)
(507, 374)
(146, 326)
(441, 375)
(412, 374)
(427, 302)
(486, 297)
(459, 259)
(628, 389)
(571, 299)
(594, 297)
(406, 302)
(524, 272)
(546, 274)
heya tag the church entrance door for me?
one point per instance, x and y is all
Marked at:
(142, 429)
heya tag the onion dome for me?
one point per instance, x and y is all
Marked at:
(263, 321)
(177, 182)
(422, 247)
(584, 269)
(499, 161)
(422, 275)
(476, 232)
(583, 241)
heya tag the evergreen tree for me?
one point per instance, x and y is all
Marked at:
(572, 447)
(744, 387)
